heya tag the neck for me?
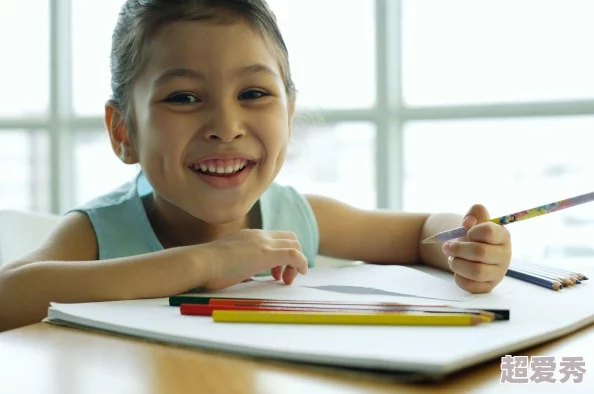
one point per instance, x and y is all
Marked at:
(174, 227)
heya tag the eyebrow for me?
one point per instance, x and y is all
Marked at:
(188, 73)
(256, 69)
(176, 73)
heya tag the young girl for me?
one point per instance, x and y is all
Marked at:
(203, 100)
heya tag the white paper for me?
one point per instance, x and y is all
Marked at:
(383, 280)
(430, 350)
(354, 283)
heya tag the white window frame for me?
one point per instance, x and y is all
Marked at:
(388, 115)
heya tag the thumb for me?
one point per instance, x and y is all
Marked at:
(475, 215)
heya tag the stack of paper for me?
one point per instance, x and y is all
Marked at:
(537, 315)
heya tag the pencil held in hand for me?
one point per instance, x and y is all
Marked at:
(515, 217)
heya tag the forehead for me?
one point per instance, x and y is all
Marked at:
(209, 47)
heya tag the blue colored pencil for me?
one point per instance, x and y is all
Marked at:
(549, 284)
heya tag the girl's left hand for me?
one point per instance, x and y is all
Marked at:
(481, 259)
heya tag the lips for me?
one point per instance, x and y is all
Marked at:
(221, 167)
(227, 172)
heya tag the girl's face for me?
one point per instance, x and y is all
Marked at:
(212, 119)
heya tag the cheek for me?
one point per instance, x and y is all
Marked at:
(161, 141)
(275, 132)
(276, 142)
(169, 130)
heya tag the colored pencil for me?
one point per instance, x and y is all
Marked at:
(348, 318)
(497, 314)
(566, 280)
(577, 275)
(207, 310)
(550, 284)
(260, 301)
(177, 300)
(545, 275)
(448, 235)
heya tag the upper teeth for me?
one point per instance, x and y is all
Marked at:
(221, 166)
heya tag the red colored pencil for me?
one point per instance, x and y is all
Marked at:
(206, 310)
(254, 301)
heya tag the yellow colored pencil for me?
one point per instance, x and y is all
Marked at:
(397, 319)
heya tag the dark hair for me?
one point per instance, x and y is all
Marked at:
(139, 20)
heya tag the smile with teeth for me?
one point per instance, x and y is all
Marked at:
(218, 167)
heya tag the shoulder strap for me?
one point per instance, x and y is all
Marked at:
(120, 223)
(285, 209)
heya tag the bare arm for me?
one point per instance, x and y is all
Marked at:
(64, 269)
(479, 260)
(379, 236)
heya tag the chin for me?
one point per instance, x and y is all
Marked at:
(221, 215)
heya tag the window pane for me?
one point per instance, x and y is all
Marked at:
(335, 161)
(97, 170)
(24, 69)
(24, 175)
(508, 165)
(488, 51)
(332, 67)
(332, 53)
(92, 26)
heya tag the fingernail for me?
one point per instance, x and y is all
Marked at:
(447, 247)
(469, 221)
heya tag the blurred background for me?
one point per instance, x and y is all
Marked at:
(415, 105)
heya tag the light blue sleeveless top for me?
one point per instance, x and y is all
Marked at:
(123, 229)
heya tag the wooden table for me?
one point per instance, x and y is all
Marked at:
(48, 359)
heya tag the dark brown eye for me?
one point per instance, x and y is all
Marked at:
(253, 94)
(182, 98)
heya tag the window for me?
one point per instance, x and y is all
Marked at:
(496, 51)
(313, 29)
(335, 161)
(93, 159)
(24, 181)
(529, 162)
(92, 25)
(510, 95)
(396, 99)
(24, 75)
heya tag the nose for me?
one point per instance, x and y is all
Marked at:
(225, 124)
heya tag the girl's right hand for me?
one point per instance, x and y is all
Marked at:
(239, 256)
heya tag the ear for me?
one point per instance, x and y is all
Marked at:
(119, 135)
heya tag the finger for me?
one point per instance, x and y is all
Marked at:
(283, 243)
(476, 214)
(289, 275)
(477, 251)
(276, 272)
(477, 272)
(472, 286)
(489, 232)
(293, 258)
(282, 235)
